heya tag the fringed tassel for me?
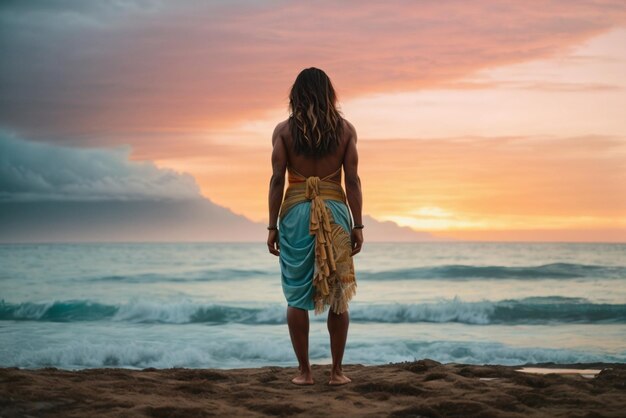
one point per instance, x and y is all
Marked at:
(345, 293)
(334, 285)
(338, 300)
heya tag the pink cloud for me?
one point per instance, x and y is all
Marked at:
(109, 74)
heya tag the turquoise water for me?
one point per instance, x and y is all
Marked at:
(221, 305)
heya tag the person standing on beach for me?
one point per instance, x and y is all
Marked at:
(311, 230)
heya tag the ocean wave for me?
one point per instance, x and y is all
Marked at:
(193, 276)
(468, 272)
(447, 271)
(243, 350)
(532, 310)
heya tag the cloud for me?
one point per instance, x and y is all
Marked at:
(77, 70)
(499, 181)
(31, 171)
(544, 86)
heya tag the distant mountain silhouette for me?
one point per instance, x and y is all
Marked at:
(391, 231)
(150, 221)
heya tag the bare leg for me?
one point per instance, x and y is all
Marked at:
(298, 321)
(338, 330)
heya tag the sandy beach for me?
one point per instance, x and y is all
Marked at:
(423, 388)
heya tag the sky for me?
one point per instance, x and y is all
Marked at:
(483, 120)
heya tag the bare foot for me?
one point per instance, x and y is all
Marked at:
(338, 378)
(304, 378)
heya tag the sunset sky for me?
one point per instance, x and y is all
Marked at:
(486, 120)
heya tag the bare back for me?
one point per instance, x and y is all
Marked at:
(321, 167)
(328, 167)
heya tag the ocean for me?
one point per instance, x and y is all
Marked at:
(220, 305)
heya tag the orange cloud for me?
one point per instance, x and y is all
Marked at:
(179, 82)
(111, 73)
(467, 187)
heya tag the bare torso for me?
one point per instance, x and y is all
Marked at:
(345, 156)
(321, 167)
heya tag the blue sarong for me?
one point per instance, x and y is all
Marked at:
(297, 251)
(327, 236)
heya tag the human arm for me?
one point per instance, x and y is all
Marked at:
(276, 187)
(353, 188)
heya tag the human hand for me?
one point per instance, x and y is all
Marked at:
(272, 242)
(357, 240)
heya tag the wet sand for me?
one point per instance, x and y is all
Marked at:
(423, 388)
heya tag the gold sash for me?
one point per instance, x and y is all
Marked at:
(334, 278)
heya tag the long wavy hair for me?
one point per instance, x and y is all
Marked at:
(315, 122)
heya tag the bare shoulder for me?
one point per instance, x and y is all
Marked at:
(282, 127)
(349, 129)
(281, 130)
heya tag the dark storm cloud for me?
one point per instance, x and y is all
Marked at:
(32, 171)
